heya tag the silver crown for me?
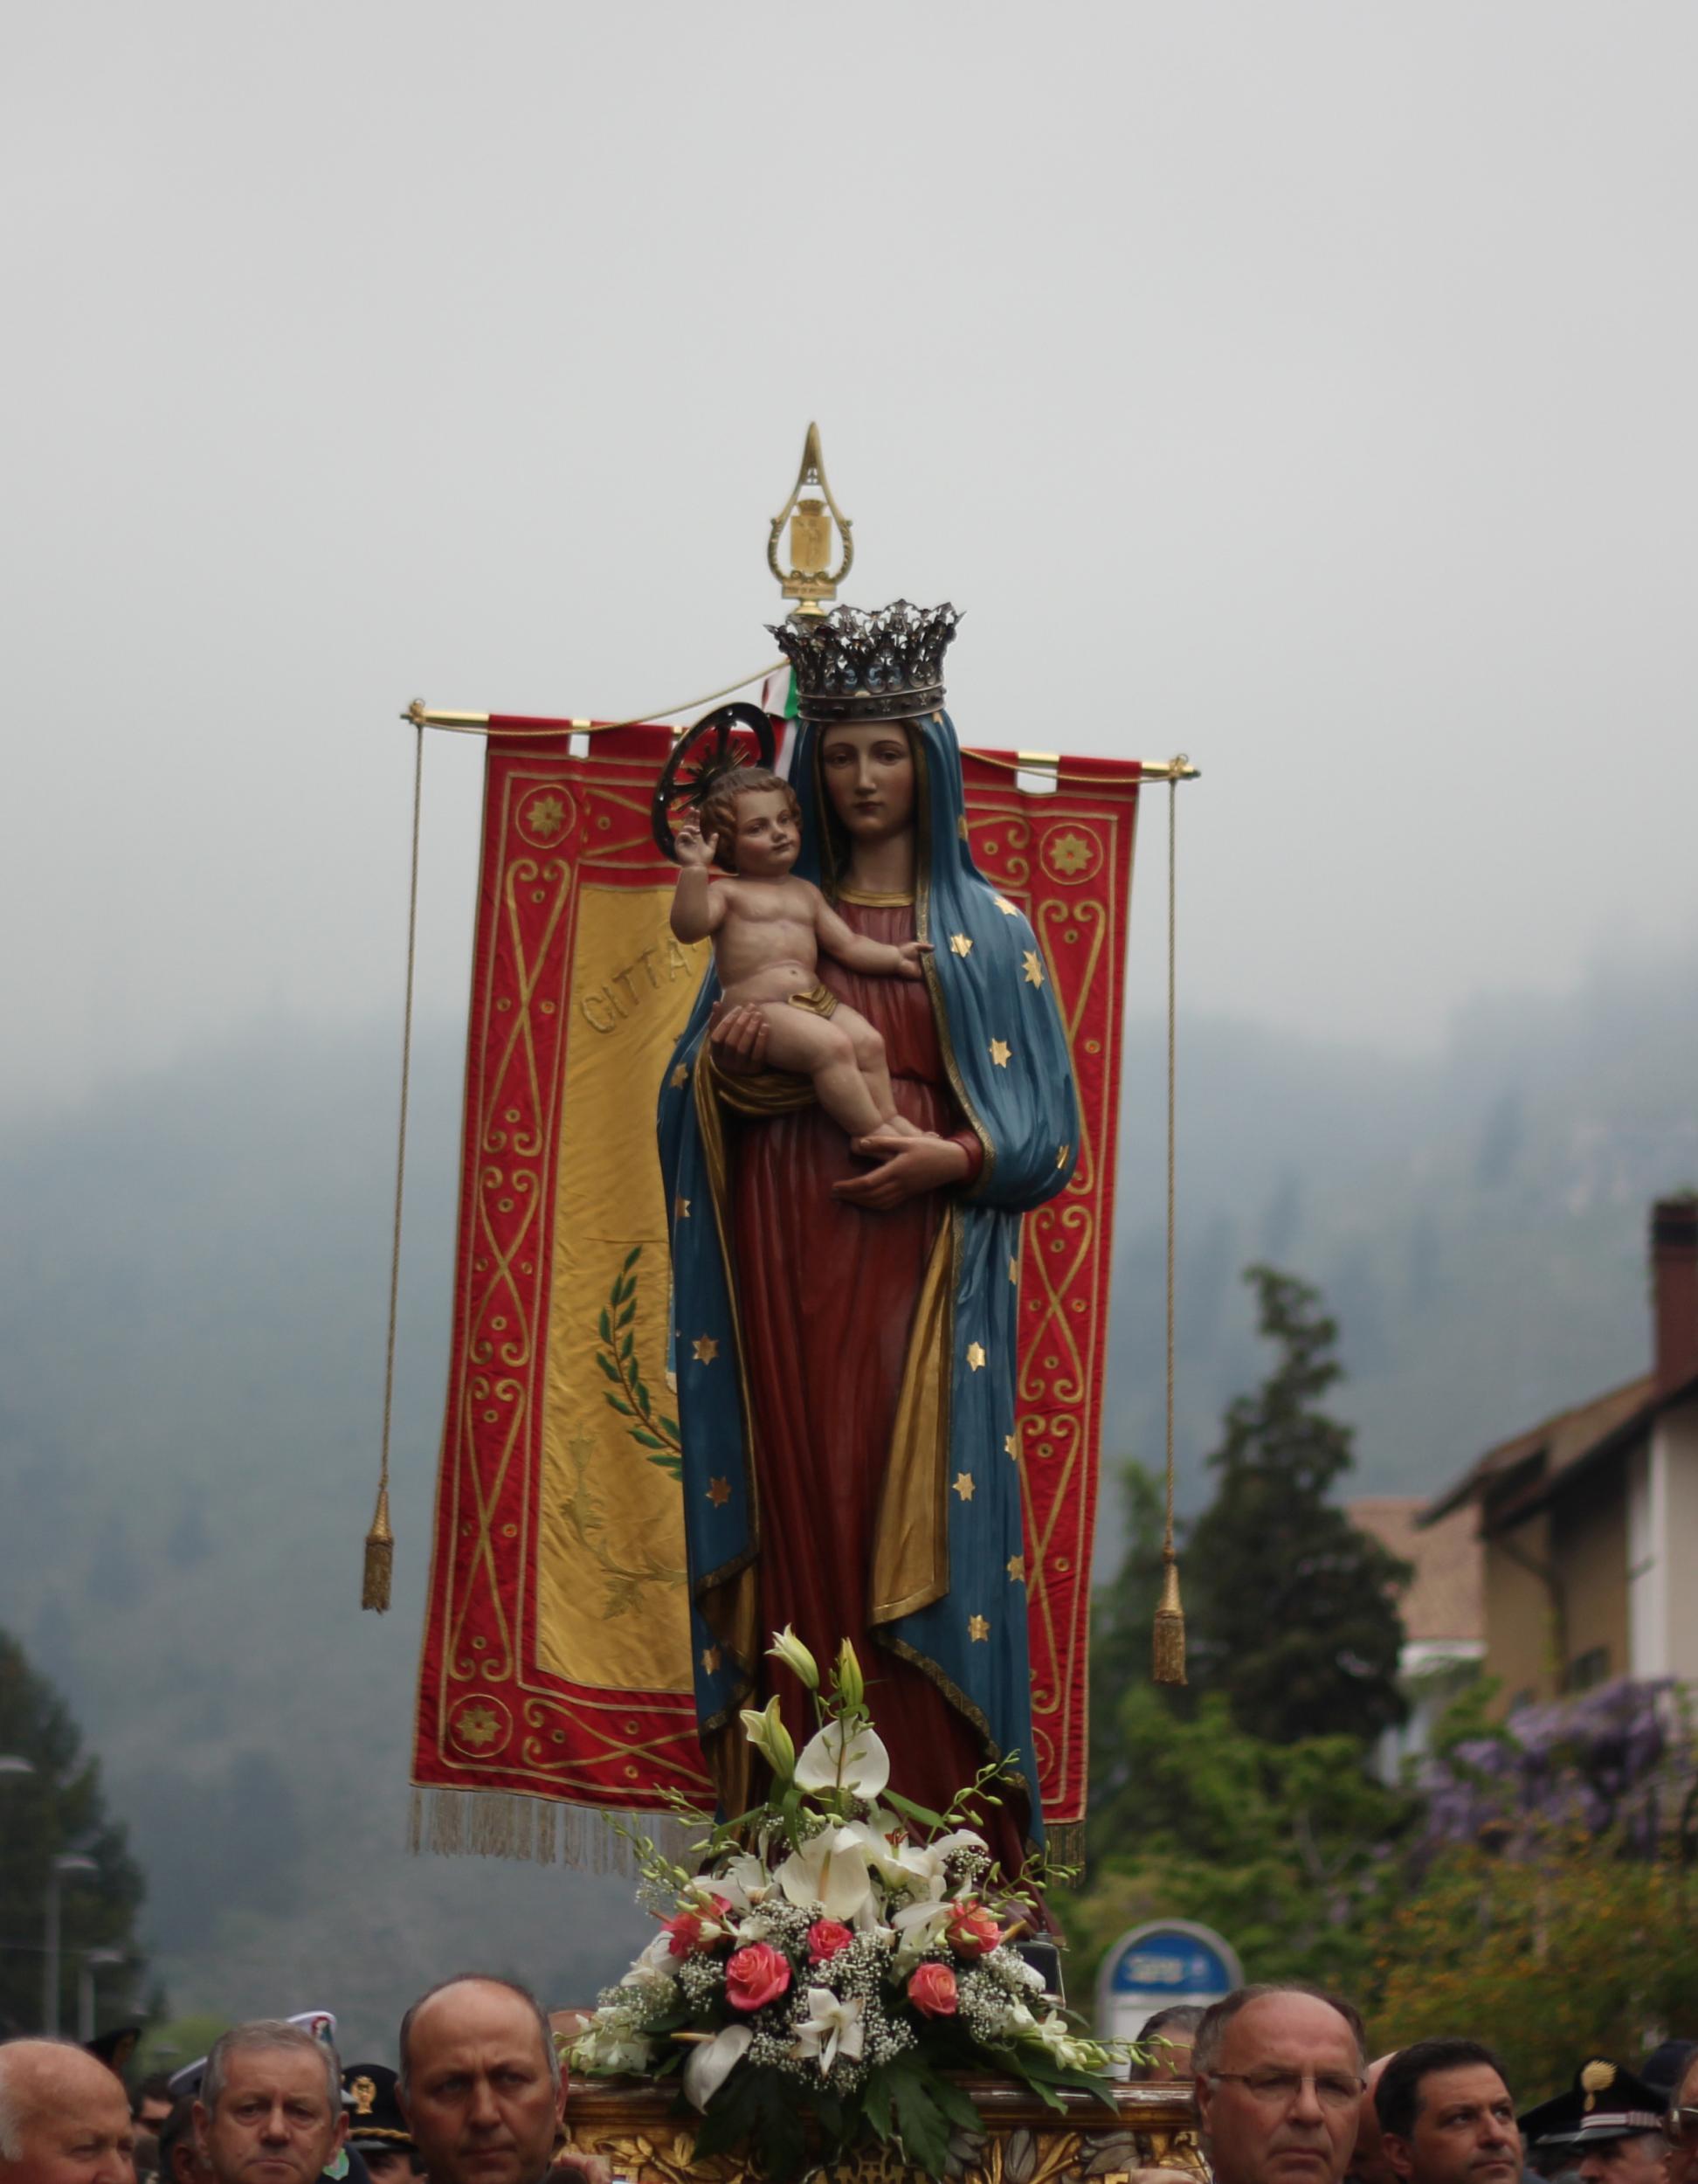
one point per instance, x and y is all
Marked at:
(852, 666)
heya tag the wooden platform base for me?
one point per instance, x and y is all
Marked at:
(637, 2129)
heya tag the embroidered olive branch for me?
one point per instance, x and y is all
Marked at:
(652, 1431)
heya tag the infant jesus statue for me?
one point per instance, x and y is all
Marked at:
(768, 928)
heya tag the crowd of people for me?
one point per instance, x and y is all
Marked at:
(1284, 2093)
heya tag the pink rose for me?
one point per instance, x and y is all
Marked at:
(756, 1975)
(827, 1938)
(932, 1989)
(692, 1932)
(972, 1931)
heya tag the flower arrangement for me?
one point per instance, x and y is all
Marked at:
(840, 1956)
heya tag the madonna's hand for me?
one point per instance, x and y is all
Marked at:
(907, 1167)
(738, 1038)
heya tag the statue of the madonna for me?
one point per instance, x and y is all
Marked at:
(845, 1329)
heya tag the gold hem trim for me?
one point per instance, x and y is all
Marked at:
(913, 1572)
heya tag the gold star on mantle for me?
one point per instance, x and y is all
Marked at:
(706, 1349)
(1014, 1271)
(1000, 1050)
(964, 1485)
(961, 826)
(1016, 1569)
(719, 1492)
(710, 1659)
(1003, 903)
(975, 1356)
(1011, 1446)
(978, 1628)
(960, 945)
(1061, 1156)
(679, 1078)
(681, 1209)
(1034, 970)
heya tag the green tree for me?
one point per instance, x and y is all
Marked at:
(1574, 1949)
(57, 1806)
(1279, 1846)
(1292, 1611)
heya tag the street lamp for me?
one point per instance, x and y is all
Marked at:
(93, 1961)
(72, 1863)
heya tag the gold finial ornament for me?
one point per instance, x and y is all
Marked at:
(811, 583)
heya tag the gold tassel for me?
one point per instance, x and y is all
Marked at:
(1170, 1642)
(379, 1557)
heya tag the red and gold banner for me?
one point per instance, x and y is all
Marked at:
(555, 1660)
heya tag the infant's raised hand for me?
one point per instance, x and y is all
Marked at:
(911, 954)
(691, 849)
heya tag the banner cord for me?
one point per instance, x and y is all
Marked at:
(380, 1540)
(1169, 1644)
(479, 724)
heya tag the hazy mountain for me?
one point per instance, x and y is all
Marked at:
(192, 1311)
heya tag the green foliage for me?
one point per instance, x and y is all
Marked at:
(58, 1808)
(1278, 1846)
(1576, 1950)
(172, 2041)
(1291, 1610)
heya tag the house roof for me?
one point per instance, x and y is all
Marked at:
(1520, 1475)
(1446, 1598)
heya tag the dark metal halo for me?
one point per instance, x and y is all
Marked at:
(697, 758)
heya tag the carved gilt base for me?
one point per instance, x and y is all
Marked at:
(636, 2128)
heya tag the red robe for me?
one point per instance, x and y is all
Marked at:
(826, 1296)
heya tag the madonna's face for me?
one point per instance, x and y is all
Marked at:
(868, 771)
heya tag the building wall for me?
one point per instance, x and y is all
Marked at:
(1648, 1570)
(1518, 1617)
(1677, 1440)
(1589, 1550)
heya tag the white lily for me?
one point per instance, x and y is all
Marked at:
(832, 2028)
(743, 1883)
(765, 1730)
(839, 1760)
(923, 1866)
(851, 1685)
(918, 1926)
(788, 1649)
(712, 2060)
(830, 1869)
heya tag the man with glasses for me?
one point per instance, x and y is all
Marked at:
(1446, 2115)
(1680, 2129)
(1279, 2084)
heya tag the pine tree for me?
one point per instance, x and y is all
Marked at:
(54, 1807)
(1291, 1610)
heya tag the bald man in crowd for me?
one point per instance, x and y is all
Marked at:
(481, 2088)
(63, 2118)
(1279, 2074)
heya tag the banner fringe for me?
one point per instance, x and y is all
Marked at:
(498, 1824)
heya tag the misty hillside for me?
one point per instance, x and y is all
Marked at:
(191, 1315)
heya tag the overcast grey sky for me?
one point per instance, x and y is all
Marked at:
(1309, 387)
